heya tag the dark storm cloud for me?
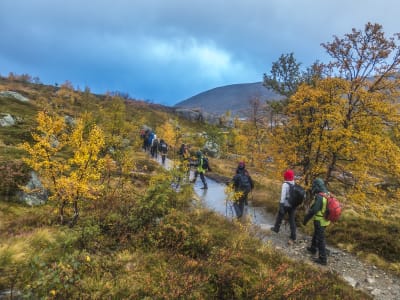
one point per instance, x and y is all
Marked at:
(169, 50)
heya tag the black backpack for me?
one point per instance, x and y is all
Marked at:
(205, 164)
(244, 182)
(297, 194)
(163, 147)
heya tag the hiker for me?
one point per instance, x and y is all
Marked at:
(149, 141)
(243, 183)
(285, 207)
(154, 147)
(200, 170)
(317, 212)
(184, 156)
(163, 148)
(146, 137)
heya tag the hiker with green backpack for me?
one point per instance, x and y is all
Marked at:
(201, 167)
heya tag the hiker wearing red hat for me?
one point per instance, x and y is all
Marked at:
(285, 207)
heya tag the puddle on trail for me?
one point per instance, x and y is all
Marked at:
(214, 198)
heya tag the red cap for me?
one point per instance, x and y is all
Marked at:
(288, 175)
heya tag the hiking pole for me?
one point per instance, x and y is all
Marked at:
(252, 202)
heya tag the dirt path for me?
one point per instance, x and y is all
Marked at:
(379, 284)
(372, 280)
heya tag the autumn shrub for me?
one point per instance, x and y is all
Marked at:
(381, 239)
(12, 174)
(177, 232)
(158, 200)
(58, 278)
(19, 219)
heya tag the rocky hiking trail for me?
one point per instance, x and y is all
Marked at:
(378, 283)
(372, 280)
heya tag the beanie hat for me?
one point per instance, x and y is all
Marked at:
(241, 165)
(288, 175)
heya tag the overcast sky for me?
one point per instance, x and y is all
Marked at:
(166, 51)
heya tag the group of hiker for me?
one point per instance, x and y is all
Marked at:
(153, 144)
(317, 212)
(200, 163)
(290, 197)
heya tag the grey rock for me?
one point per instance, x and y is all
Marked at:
(34, 193)
(7, 120)
(14, 95)
(351, 281)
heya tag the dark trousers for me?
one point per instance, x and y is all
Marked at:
(202, 177)
(292, 215)
(318, 240)
(239, 205)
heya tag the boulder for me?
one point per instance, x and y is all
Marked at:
(34, 193)
(14, 95)
(7, 120)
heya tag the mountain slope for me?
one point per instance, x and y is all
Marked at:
(233, 97)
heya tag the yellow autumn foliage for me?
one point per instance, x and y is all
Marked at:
(67, 158)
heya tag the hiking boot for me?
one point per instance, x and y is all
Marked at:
(311, 250)
(320, 261)
(192, 181)
(291, 242)
(274, 230)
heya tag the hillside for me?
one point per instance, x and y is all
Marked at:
(234, 98)
(141, 238)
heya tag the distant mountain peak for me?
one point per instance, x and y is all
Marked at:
(233, 97)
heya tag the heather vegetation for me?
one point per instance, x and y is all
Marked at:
(114, 227)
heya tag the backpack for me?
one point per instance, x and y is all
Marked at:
(244, 182)
(297, 194)
(205, 164)
(333, 207)
(163, 147)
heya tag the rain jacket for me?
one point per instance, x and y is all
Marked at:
(318, 208)
(200, 164)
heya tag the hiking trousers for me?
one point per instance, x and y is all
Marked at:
(318, 240)
(202, 177)
(292, 215)
(239, 205)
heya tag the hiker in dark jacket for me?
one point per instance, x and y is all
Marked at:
(243, 183)
(163, 149)
(154, 147)
(285, 207)
(317, 212)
